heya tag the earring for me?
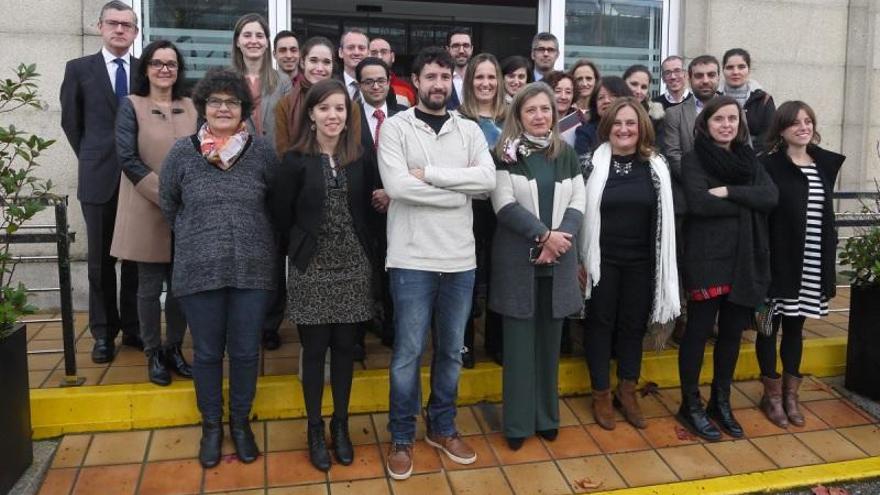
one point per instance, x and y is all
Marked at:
(312, 127)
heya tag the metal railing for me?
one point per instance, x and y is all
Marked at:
(59, 234)
(846, 219)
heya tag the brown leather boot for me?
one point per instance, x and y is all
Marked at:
(771, 402)
(603, 412)
(626, 397)
(790, 386)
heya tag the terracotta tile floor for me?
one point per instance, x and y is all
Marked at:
(162, 462)
(129, 366)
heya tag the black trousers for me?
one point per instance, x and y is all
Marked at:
(340, 338)
(616, 319)
(484, 230)
(790, 350)
(275, 312)
(732, 320)
(106, 317)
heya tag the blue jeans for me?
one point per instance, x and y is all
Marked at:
(418, 295)
(230, 320)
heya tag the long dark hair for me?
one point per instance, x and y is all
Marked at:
(701, 127)
(142, 84)
(614, 85)
(348, 149)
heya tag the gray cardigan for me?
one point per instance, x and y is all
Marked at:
(268, 102)
(516, 206)
(223, 236)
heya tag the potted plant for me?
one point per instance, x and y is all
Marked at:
(22, 196)
(862, 254)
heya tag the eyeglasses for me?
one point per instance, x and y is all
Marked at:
(461, 46)
(544, 49)
(369, 83)
(231, 104)
(126, 26)
(673, 72)
(170, 65)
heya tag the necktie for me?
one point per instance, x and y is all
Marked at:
(356, 95)
(380, 117)
(121, 80)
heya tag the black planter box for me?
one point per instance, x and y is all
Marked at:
(16, 452)
(863, 344)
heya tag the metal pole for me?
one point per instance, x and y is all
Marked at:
(66, 293)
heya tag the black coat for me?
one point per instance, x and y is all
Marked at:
(788, 225)
(298, 203)
(759, 109)
(88, 117)
(713, 232)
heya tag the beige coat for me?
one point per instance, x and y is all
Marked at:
(144, 135)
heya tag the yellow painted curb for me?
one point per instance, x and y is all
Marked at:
(767, 481)
(138, 406)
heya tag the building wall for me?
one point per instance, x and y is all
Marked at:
(826, 52)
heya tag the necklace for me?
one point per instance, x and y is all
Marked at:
(622, 168)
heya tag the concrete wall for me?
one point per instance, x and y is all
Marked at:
(826, 52)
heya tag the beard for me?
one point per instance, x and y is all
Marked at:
(433, 104)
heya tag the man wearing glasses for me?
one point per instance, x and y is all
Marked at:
(92, 89)
(460, 48)
(672, 72)
(545, 51)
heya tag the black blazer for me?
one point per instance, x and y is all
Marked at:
(366, 135)
(298, 203)
(88, 117)
(788, 223)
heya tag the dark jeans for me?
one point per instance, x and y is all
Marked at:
(151, 276)
(616, 319)
(340, 338)
(790, 350)
(227, 319)
(106, 316)
(732, 320)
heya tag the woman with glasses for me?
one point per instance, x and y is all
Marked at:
(149, 121)
(214, 192)
(325, 213)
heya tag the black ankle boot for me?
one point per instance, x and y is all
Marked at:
(175, 361)
(156, 370)
(692, 416)
(243, 439)
(341, 441)
(209, 446)
(719, 410)
(318, 447)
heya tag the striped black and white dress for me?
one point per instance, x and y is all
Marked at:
(811, 302)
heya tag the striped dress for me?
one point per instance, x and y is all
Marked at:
(811, 302)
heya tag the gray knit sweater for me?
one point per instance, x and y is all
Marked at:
(223, 236)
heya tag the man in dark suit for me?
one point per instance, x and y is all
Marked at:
(374, 77)
(91, 91)
(460, 46)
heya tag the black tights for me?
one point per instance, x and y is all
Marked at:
(732, 320)
(790, 350)
(315, 339)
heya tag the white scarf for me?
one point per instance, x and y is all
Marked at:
(666, 298)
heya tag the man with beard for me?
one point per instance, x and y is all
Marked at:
(545, 51)
(679, 121)
(460, 48)
(432, 163)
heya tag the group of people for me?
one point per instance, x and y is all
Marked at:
(561, 194)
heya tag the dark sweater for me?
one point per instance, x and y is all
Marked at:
(629, 204)
(788, 221)
(223, 236)
(717, 227)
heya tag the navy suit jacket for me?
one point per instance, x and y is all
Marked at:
(88, 117)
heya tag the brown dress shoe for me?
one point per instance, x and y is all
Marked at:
(626, 397)
(771, 401)
(400, 461)
(790, 386)
(453, 446)
(603, 412)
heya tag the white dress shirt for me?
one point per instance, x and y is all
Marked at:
(371, 119)
(458, 83)
(109, 61)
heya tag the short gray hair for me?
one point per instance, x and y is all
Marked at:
(544, 36)
(117, 5)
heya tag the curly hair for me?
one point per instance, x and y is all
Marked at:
(224, 81)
